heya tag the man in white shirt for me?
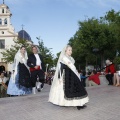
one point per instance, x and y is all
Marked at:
(37, 68)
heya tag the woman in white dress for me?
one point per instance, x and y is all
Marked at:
(67, 88)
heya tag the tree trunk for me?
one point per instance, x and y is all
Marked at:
(102, 60)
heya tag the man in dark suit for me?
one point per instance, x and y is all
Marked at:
(37, 68)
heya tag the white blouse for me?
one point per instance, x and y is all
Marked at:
(4, 80)
(38, 61)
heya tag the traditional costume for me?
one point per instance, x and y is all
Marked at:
(20, 83)
(36, 60)
(67, 88)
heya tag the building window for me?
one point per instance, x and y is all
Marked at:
(2, 10)
(2, 44)
(5, 21)
(2, 32)
(0, 21)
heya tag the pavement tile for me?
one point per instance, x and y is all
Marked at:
(104, 104)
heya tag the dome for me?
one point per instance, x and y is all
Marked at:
(24, 35)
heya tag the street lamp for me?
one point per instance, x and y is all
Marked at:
(95, 50)
(46, 67)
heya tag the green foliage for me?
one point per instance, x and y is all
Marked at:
(102, 35)
(9, 54)
(56, 59)
(117, 60)
(46, 53)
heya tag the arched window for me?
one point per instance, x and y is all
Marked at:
(5, 21)
(2, 44)
(0, 21)
(2, 10)
(2, 32)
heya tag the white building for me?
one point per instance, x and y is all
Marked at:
(8, 34)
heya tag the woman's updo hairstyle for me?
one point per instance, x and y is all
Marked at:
(68, 47)
(22, 47)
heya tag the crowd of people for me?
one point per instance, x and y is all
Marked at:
(109, 71)
(22, 80)
(29, 71)
(67, 84)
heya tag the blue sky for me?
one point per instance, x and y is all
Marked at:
(56, 21)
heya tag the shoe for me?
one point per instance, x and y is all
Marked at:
(39, 90)
(78, 107)
(81, 107)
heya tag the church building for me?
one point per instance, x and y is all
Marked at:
(8, 34)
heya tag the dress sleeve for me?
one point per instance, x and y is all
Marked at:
(91, 77)
(5, 80)
(17, 59)
(112, 69)
(62, 66)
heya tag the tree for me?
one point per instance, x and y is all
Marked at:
(113, 18)
(96, 34)
(46, 53)
(56, 59)
(9, 54)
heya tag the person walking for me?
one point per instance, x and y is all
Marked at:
(37, 69)
(20, 83)
(67, 88)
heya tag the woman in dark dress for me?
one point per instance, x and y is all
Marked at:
(20, 83)
(67, 88)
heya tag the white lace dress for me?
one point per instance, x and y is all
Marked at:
(56, 95)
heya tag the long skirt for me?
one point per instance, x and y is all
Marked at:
(69, 92)
(15, 88)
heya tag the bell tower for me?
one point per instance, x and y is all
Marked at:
(5, 16)
(7, 31)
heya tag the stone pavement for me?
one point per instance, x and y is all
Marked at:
(104, 104)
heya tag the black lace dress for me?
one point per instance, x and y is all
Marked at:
(73, 87)
(24, 76)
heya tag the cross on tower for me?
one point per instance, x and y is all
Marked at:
(22, 26)
(23, 31)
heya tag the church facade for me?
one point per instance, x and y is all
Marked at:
(8, 34)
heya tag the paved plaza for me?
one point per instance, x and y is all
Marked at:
(104, 104)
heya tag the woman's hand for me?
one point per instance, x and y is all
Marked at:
(36, 67)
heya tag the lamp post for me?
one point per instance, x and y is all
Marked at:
(46, 71)
(46, 67)
(95, 50)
